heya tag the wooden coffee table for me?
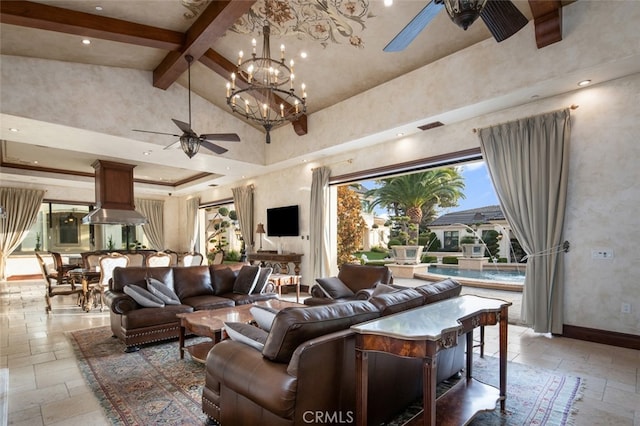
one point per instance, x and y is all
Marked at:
(209, 323)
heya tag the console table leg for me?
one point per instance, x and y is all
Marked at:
(504, 316)
(181, 341)
(429, 367)
(362, 387)
(469, 368)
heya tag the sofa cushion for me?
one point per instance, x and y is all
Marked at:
(243, 299)
(383, 288)
(124, 276)
(397, 301)
(200, 303)
(223, 280)
(263, 279)
(164, 274)
(440, 290)
(192, 281)
(143, 297)
(162, 292)
(357, 277)
(293, 326)
(246, 280)
(263, 315)
(246, 333)
(334, 288)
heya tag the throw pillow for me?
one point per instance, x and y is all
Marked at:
(382, 289)
(334, 288)
(263, 316)
(246, 280)
(162, 292)
(143, 297)
(263, 278)
(246, 333)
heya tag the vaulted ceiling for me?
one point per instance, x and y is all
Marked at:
(342, 41)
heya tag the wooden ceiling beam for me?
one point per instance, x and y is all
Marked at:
(547, 18)
(45, 17)
(212, 23)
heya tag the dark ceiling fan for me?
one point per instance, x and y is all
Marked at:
(189, 140)
(502, 18)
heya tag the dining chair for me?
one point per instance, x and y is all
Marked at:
(135, 259)
(107, 264)
(159, 259)
(54, 287)
(218, 258)
(61, 268)
(191, 259)
(92, 260)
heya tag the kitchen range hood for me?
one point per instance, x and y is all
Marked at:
(114, 196)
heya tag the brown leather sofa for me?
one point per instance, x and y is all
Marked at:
(352, 283)
(198, 287)
(306, 370)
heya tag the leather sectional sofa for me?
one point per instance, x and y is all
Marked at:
(306, 368)
(198, 287)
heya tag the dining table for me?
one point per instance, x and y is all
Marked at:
(89, 278)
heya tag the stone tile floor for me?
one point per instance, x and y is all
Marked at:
(46, 387)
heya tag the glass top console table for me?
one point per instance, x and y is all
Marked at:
(422, 333)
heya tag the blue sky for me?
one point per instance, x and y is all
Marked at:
(478, 189)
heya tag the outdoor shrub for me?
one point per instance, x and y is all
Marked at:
(428, 259)
(379, 249)
(502, 260)
(467, 240)
(394, 242)
(449, 260)
(232, 256)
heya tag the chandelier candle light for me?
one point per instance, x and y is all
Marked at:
(258, 89)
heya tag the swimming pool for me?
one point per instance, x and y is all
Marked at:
(487, 274)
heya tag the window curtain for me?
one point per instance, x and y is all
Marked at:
(192, 222)
(243, 202)
(320, 238)
(153, 210)
(528, 161)
(22, 206)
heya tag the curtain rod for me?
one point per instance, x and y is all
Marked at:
(573, 106)
(349, 160)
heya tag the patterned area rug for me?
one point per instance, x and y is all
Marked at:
(153, 386)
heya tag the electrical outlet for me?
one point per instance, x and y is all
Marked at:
(602, 254)
(626, 308)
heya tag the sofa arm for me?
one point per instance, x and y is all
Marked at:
(245, 371)
(364, 294)
(119, 302)
(316, 291)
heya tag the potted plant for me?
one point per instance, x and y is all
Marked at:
(408, 253)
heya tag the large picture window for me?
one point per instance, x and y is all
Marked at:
(451, 240)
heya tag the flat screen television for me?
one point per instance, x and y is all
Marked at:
(283, 222)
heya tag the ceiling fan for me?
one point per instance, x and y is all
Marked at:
(502, 18)
(189, 140)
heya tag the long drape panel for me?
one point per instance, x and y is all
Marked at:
(528, 161)
(243, 202)
(320, 238)
(192, 222)
(22, 206)
(153, 210)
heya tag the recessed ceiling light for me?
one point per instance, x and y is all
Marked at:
(86, 41)
(98, 8)
(303, 55)
(584, 83)
(146, 153)
(388, 3)
(35, 162)
(399, 134)
(13, 129)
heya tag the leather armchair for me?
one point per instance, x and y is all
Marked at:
(351, 280)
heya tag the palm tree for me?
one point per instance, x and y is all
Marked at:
(420, 192)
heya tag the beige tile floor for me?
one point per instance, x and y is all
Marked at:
(46, 387)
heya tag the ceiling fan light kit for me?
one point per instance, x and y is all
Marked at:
(262, 88)
(464, 12)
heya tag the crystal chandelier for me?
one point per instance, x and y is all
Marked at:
(464, 12)
(262, 88)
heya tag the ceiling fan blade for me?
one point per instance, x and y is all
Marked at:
(224, 137)
(184, 127)
(172, 145)
(413, 28)
(502, 18)
(212, 147)
(156, 133)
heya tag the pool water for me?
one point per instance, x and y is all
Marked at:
(486, 274)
